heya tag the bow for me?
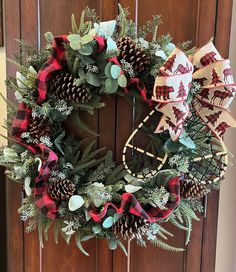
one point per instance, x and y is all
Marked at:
(173, 85)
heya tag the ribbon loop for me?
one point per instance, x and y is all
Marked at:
(217, 91)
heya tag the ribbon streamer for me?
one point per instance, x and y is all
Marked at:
(130, 204)
(173, 85)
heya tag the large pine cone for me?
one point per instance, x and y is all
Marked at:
(130, 227)
(192, 190)
(61, 189)
(38, 127)
(130, 52)
(63, 86)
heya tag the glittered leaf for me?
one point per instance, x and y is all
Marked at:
(108, 222)
(169, 47)
(186, 140)
(106, 28)
(75, 202)
(111, 45)
(129, 188)
(161, 54)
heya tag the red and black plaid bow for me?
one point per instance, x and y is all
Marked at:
(130, 204)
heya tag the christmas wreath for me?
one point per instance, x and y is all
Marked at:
(79, 189)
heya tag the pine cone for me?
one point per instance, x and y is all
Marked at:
(193, 190)
(133, 54)
(39, 127)
(61, 189)
(63, 86)
(130, 227)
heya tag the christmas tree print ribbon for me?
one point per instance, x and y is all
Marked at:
(129, 204)
(217, 90)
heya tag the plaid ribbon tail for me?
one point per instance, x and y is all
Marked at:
(130, 204)
(56, 62)
(20, 125)
(137, 84)
(42, 200)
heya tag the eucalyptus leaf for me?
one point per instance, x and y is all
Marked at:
(186, 140)
(122, 81)
(129, 188)
(111, 85)
(87, 60)
(75, 202)
(86, 50)
(75, 41)
(93, 79)
(169, 47)
(21, 81)
(108, 222)
(161, 54)
(105, 28)
(115, 71)
(108, 69)
(86, 39)
(111, 45)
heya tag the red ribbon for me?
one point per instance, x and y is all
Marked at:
(129, 204)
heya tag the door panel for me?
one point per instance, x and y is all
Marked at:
(196, 20)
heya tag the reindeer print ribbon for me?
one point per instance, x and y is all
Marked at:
(211, 102)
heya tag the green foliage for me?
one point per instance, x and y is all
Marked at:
(182, 218)
(165, 246)
(151, 26)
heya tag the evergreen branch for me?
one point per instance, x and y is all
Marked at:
(166, 231)
(178, 225)
(79, 245)
(165, 246)
(74, 27)
(188, 221)
(122, 18)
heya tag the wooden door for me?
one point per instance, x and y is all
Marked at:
(196, 20)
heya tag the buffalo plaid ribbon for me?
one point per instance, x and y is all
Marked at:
(57, 61)
(42, 199)
(211, 103)
(129, 204)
